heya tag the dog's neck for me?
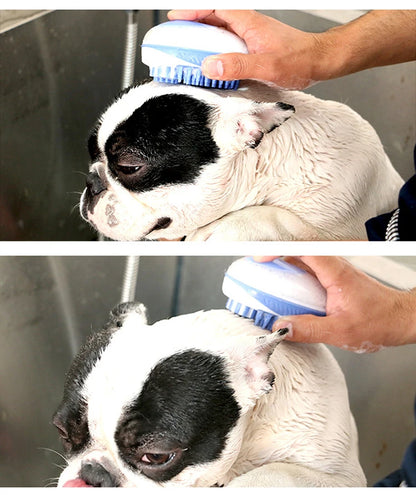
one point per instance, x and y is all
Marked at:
(261, 176)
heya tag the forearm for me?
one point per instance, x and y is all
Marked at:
(406, 309)
(378, 38)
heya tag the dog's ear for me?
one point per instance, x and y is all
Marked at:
(244, 125)
(263, 118)
(122, 310)
(254, 377)
(260, 378)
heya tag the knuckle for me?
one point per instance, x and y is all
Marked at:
(236, 66)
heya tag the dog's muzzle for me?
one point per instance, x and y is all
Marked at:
(94, 184)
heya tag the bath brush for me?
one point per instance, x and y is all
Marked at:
(174, 52)
(266, 291)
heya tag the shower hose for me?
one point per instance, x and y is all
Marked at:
(132, 262)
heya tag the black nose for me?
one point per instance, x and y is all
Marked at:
(95, 474)
(94, 184)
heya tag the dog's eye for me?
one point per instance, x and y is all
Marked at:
(66, 442)
(157, 459)
(128, 169)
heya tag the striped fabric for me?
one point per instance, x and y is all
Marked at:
(392, 231)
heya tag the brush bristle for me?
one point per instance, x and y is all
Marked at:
(261, 318)
(183, 74)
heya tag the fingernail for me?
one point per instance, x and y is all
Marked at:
(283, 327)
(213, 67)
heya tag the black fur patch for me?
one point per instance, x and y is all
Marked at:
(71, 416)
(165, 141)
(93, 148)
(186, 407)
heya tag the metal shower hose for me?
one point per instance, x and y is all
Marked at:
(132, 262)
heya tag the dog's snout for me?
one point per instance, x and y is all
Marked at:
(94, 474)
(94, 183)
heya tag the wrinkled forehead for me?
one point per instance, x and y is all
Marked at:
(134, 98)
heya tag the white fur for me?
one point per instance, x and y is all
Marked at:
(300, 432)
(322, 173)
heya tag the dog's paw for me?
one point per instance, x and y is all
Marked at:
(254, 223)
(220, 230)
(284, 474)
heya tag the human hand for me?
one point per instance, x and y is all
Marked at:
(278, 53)
(294, 59)
(363, 315)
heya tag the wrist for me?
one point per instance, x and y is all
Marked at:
(333, 54)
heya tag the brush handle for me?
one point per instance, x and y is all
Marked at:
(266, 291)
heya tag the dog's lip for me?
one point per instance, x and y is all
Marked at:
(88, 203)
(162, 223)
(83, 205)
(76, 483)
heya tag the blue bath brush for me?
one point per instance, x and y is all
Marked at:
(174, 52)
(266, 291)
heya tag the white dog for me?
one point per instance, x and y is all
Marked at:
(205, 399)
(175, 161)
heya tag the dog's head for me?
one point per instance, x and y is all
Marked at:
(164, 404)
(164, 159)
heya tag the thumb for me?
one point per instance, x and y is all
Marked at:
(307, 328)
(231, 66)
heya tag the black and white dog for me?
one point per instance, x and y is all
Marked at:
(176, 161)
(204, 399)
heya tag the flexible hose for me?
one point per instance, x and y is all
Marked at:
(130, 49)
(132, 262)
(131, 270)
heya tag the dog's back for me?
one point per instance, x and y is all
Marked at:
(329, 145)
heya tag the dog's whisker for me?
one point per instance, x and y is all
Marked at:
(51, 482)
(80, 172)
(60, 466)
(47, 449)
(74, 208)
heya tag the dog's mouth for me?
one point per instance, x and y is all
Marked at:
(77, 483)
(88, 203)
(84, 206)
(162, 223)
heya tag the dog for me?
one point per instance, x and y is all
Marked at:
(204, 399)
(177, 162)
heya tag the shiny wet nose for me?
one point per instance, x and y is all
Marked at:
(94, 184)
(94, 474)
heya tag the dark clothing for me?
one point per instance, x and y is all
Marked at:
(398, 225)
(406, 475)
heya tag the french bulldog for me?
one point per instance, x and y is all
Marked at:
(204, 399)
(181, 162)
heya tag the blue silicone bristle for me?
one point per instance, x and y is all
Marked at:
(189, 75)
(260, 318)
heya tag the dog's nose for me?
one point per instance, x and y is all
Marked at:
(94, 474)
(94, 184)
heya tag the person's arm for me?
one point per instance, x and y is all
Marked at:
(295, 59)
(363, 315)
(378, 38)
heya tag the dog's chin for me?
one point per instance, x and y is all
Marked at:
(118, 231)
